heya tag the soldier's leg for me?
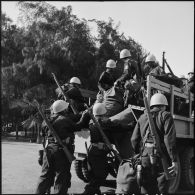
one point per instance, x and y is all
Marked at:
(62, 169)
(149, 177)
(163, 184)
(98, 162)
(47, 176)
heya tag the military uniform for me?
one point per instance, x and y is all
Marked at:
(154, 180)
(130, 70)
(55, 163)
(106, 80)
(76, 97)
(98, 151)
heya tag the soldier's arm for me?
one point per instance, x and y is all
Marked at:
(170, 136)
(136, 138)
(116, 126)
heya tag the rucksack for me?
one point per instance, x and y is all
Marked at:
(126, 180)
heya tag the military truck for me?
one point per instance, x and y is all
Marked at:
(184, 132)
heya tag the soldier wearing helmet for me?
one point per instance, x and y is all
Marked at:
(154, 180)
(109, 95)
(97, 155)
(106, 80)
(55, 165)
(151, 66)
(130, 67)
(73, 92)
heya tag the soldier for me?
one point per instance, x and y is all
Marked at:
(130, 67)
(106, 80)
(153, 177)
(151, 67)
(55, 164)
(73, 92)
(97, 155)
(109, 94)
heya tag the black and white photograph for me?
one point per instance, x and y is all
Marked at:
(97, 97)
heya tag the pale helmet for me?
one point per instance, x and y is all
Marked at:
(59, 106)
(99, 109)
(75, 80)
(150, 58)
(158, 99)
(125, 53)
(110, 64)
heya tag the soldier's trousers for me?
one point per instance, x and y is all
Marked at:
(153, 178)
(55, 171)
(97, 159)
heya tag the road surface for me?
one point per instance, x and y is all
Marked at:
(20, 169)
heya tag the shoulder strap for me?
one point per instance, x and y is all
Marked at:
(145, 137)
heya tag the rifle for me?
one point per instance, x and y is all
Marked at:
(106, 140)
(66, 98)
(65, 149)
(164, 61)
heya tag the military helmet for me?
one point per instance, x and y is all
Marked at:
(59, 106)
(150, 58)
(125, 53)
(75, 80)
(158, 99)
(99, 109)
(110, 64)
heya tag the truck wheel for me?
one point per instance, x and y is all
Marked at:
(85, 170)
(174, 183)
(187, 172)
(78, 170)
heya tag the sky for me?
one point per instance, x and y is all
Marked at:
(157, 25)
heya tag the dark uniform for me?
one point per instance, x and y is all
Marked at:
(130, 69)
(154, 180)
(106, 80)
(98, 151)
(55, 163)
(76, 97)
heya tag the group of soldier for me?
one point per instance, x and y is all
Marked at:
(113, 97)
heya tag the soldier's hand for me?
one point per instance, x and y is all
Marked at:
(173, 170)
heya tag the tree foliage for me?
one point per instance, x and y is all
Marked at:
(56, 40)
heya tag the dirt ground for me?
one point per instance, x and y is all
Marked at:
(20, 169)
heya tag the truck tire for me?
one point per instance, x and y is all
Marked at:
(78, 170)
(174, 183)
(187, 172)
(85, 171)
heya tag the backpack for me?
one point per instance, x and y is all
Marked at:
(126, 180)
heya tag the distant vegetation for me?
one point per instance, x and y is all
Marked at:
(54, 40)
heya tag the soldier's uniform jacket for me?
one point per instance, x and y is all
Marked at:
(165, 128)
(129, 71)
(157, 71)
(64, 127)
(108, 128)
(106, 78)
(78, 100)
